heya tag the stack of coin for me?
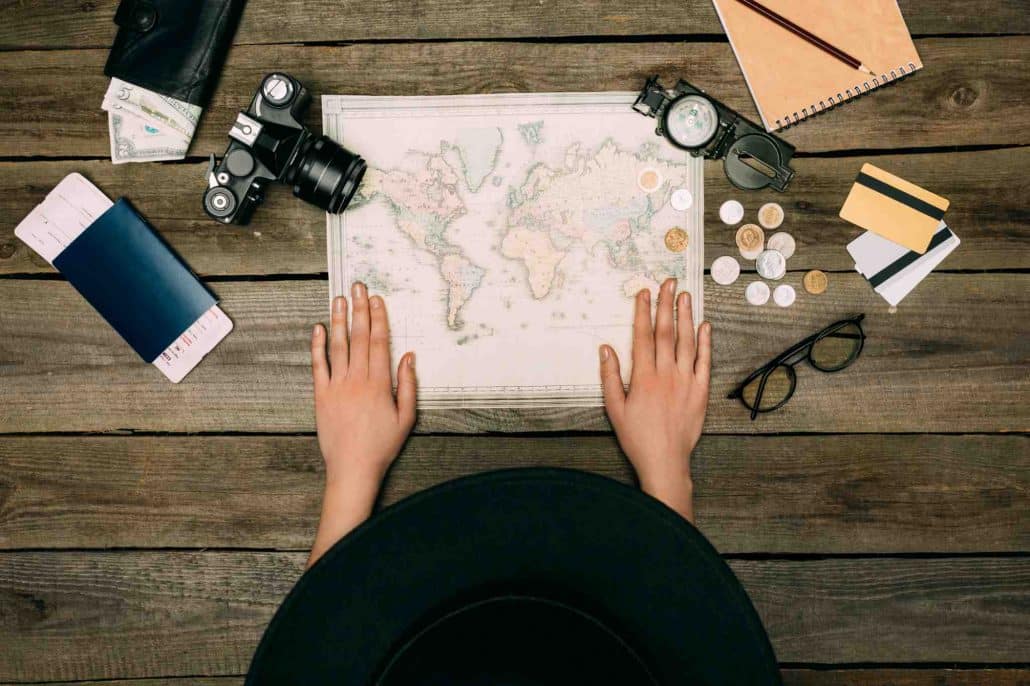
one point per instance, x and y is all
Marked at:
(770, 256)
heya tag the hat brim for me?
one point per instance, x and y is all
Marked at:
(608, 554)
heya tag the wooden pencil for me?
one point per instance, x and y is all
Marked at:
(806, 35)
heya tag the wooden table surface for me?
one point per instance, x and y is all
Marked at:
(879, 521)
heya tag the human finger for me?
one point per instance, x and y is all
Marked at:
(685, 342)
(643, 334)
(611, 384)
(319, 362)
(664, 331)
(338, 337)
(379, 341)
(703, 365)
(406, 390)
(359, 331)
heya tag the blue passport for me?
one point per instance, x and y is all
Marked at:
(134, 280)
(123, 268)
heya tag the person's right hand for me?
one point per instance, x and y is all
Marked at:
(658, 422)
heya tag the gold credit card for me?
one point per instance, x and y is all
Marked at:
(894, 208)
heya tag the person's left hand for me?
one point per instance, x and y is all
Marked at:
(361, 426)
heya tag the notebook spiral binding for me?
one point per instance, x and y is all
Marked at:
(847, 96)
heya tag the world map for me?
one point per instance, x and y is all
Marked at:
(521, 233)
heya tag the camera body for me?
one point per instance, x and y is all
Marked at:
(695, 121)
(269, 143)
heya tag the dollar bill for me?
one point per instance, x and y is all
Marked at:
(146, 126)
(134, 140)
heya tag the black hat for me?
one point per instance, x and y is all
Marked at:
(524, 577)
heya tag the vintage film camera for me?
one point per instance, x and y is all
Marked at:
(700, 124)
(267, 143)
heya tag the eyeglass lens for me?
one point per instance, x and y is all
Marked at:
(838, 349)
(779, 384)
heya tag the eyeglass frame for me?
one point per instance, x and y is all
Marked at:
(806, 346)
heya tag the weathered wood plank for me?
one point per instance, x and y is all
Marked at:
(71, 23)
(952, 359)
(70, 616)
(970, 94)
(906, 677)
(791, 677)
(799, 494)
(988, 211)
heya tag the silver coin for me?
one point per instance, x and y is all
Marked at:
(783, 242)
(771, 265)
(725, 270)
(757, 293)
(681, 199)
(731, 212)
(784, 295)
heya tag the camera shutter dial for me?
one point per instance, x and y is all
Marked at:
(219, 202)
(277, 89)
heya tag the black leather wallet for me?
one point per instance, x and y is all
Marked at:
(173, 47)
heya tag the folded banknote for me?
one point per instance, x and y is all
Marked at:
(146, 126)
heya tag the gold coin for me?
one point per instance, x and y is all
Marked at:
(815, 282)
(750, 240)
(676, 239)
(649, 180)
(770, 215)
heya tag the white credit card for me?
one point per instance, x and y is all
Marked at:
(68, 210)
(892, 269)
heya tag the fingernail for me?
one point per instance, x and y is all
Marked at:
(604, 353)
(670, 285)
(317, 333)
(375, 301)
(646, 295)
(411, 360)
(358, 290)
(339, 304)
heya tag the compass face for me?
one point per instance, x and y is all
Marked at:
(691, 121)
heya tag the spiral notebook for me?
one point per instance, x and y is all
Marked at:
(791, 79)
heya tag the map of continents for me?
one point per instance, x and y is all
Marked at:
(591, 200)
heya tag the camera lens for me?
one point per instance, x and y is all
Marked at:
(326, 175)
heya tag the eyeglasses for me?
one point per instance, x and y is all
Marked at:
(831, 350)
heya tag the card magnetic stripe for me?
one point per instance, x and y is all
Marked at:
(900, 196)
(908, 258)
(134, 280)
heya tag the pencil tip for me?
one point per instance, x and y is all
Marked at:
(864, 68)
